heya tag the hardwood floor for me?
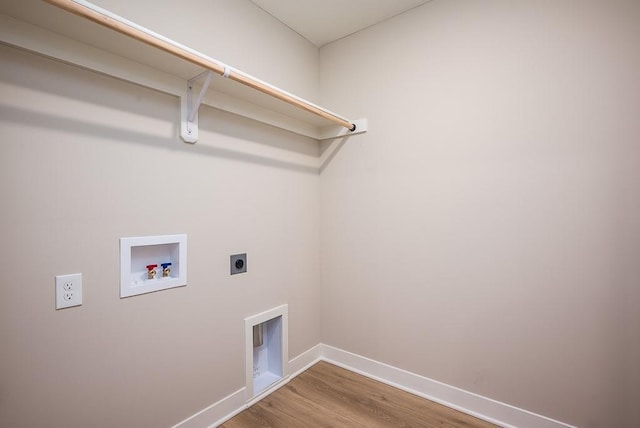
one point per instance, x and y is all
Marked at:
(329, 396)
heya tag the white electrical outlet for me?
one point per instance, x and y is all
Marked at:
(68, 290)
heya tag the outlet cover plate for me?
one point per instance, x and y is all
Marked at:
(238, 263)
(68, 290)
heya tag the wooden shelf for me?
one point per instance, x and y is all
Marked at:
(38, 27)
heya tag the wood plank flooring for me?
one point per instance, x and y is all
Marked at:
(329, 396)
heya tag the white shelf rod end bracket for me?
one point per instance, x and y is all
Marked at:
(332, 132)
(189, 107)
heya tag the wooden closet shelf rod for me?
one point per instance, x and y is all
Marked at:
(114, 22)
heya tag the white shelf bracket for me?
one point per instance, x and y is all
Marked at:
(189, 107)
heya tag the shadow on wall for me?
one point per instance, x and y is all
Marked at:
(329, 150)
(263, 157)
(235, 126)
(222, 134)
(12, 114)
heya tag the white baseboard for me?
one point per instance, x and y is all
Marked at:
(217, 413)
(501, 414)
(305, 360)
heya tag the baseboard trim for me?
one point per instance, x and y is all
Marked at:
(493, 411)
(305, 360)
(218, 412)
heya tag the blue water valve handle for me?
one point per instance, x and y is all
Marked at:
(165, 269)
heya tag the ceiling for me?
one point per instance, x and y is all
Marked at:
(323, 21)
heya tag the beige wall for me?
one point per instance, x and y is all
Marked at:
(483, 233)
(87, 159)
(486, 231)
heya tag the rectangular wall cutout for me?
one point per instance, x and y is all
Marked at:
(138, 255)
(267, 350)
